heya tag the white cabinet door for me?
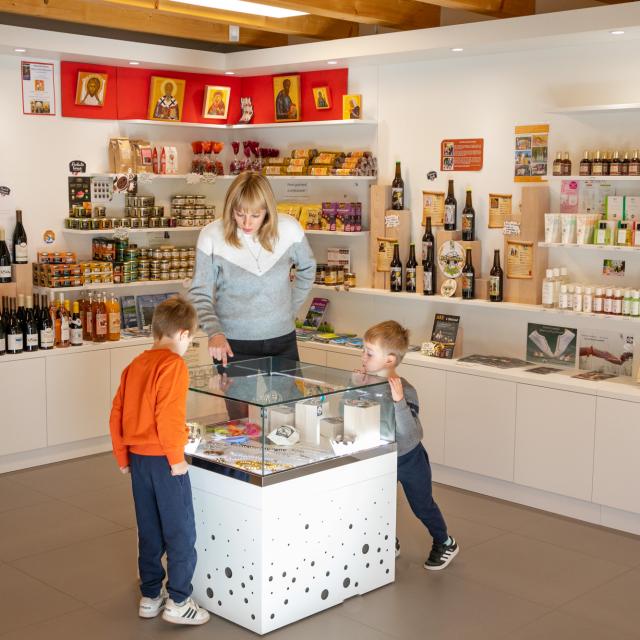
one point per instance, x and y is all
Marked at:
(78, 402)
(121, 357)
(430, 385)
(344, 361)
(312, 356)
(616, 474)
(554, 441)
(480, 425)
(23, 406)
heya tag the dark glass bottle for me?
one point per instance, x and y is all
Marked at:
(557, 164)
(625, 164)
(597, 165)
(46, 332)
(5, 260)
(397, 190)
(427, 239)
(3, 337)
(20, 253)
(496, 277)
(21, 312)
(396, 270)
(410, 273)
(566, 164)
(468, 219)
(585, 165)
(606, 164)
(468, 278)
(30, 328)
(450, 209)
(615, 166)
(429, 277)
(14, 332)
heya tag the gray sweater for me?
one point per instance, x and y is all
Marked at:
(409, 432)
(246, 292)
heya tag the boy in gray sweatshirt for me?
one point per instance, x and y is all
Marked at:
(385, 345)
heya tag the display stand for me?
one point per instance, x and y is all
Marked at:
(528, 290)
(22, 281)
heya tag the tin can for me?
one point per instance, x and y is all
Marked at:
(135, 223)
(350, 279)
(116, 223)
(126, 223)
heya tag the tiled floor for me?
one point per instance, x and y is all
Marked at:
(68, 551)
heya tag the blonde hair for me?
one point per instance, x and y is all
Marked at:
(391, 337)
(173, 315)
(251, 192)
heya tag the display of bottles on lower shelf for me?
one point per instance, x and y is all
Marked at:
(57, 323)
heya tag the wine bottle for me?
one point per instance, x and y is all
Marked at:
(450, 209)
(397, 190)
(65, 328)
(429, 277)
(496, 278)
(410, 273)
(427, 239)
(87, 327)
(75, 326)
(5, 259)
(396, 270)
(29, 327)
(468, 219)
(20, 252)
(3, 336)
(45, 326)
(20, 312)
(15, 343)
(101, 320)
(468, 278)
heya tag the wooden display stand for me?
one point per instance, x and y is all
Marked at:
(476, 256)
(387, 223)
(535, 203)
(22, 281)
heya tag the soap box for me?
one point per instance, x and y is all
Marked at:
(614, 208)
(632, 208)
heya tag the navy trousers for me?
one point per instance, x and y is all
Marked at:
(166, 524)
(414, 474)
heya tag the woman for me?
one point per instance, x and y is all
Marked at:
(241, 286)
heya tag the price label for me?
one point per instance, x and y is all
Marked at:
(77, 166)
(511, 228)
(392, 220)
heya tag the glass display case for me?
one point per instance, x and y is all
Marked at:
(270, 416)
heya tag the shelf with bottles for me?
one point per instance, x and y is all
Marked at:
(597, 165)
(110, 232)
(342, 234)
(109, 286)
(590, 247)
(210, 178)
(595, 178)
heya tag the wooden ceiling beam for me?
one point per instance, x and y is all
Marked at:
(495, 8)
(106, 14)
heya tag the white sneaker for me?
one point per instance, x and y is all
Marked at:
(151, 607)
(188, 612)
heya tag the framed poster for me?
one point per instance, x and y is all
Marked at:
(286, 95)
(166, 99)
(531, 151)
(216, 102)
(519, 260)
(433, 207)
(499, 210)
(462, 155)
(352, 107)
(38, 88)
(91, 89)
(322, 98)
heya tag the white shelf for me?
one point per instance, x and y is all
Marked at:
(355, 234)
(597, 108)
(596, 178)
(589, 247)
(107, 232)
(184, 176)
(265, 125)
(499, 306)
(93, 287)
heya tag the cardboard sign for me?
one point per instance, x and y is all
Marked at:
(462, 155)
(77, 166)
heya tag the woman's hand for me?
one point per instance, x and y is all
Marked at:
(219, 348)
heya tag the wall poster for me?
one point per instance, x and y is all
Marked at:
(519, 260)
(547, 344)
(38, 88)
(499, 210)
(462, 155)
(531, 151)
(433, 207)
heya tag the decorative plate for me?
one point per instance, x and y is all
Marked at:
(451, 258)
(448, 287)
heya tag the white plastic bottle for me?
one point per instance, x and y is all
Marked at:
(577, 299)
(587, 300)
(556, 285)
(563, 299)
(548, 290)
(564, 275)
(635, 303)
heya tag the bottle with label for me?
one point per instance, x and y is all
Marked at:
(30, 327)
(626, 302)
(625, 164)
(617, 302)
(21, 312)
(557, 281)
(597, 166)
(75, 326)
(563, 297)
(15, 339)
(496, 278)
(410, 271)
(548, 290)
(429, 277)
(45, 327)
(468, 219)
(635, 303)
(88, 326)
(63, 317)
(5, 260)
(606, 163)
(585, 164)
(20, 251)
(427, 239)
(557, 164)
(577, 298)
(113, 323)
(601, 232)
(450, 209)
(598, 300)
(102, 320)
(634, 164)
(587, 300)
(397, 190)
(615, 166)
(623, 234)
(607, 306)
(3, 335)
(468, 278)
(566, 164)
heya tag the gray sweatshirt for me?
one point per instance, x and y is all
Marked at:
(408, 428)
(245, 292)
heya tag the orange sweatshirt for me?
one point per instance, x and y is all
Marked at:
(149, 410)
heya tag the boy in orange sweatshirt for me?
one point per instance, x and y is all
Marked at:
(149, 433)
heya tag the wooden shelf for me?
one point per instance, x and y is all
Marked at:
(93, 287)
(589, 247)
(354, 234)
(596, 178)
(110, 232)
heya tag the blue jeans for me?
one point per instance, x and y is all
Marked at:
(166, 524)
(414, 474)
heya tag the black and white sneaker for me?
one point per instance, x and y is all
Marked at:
(187, 612)
(397, 548)
(441, 555)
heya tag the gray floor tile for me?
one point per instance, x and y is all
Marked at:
(439, 606)
(566, 627)
(67, 478)
(92, 570)
(25, 601)
(49, 525)
(585, 538)
(14, 495)
(537, 571)
(114, 503)
(614, 605)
